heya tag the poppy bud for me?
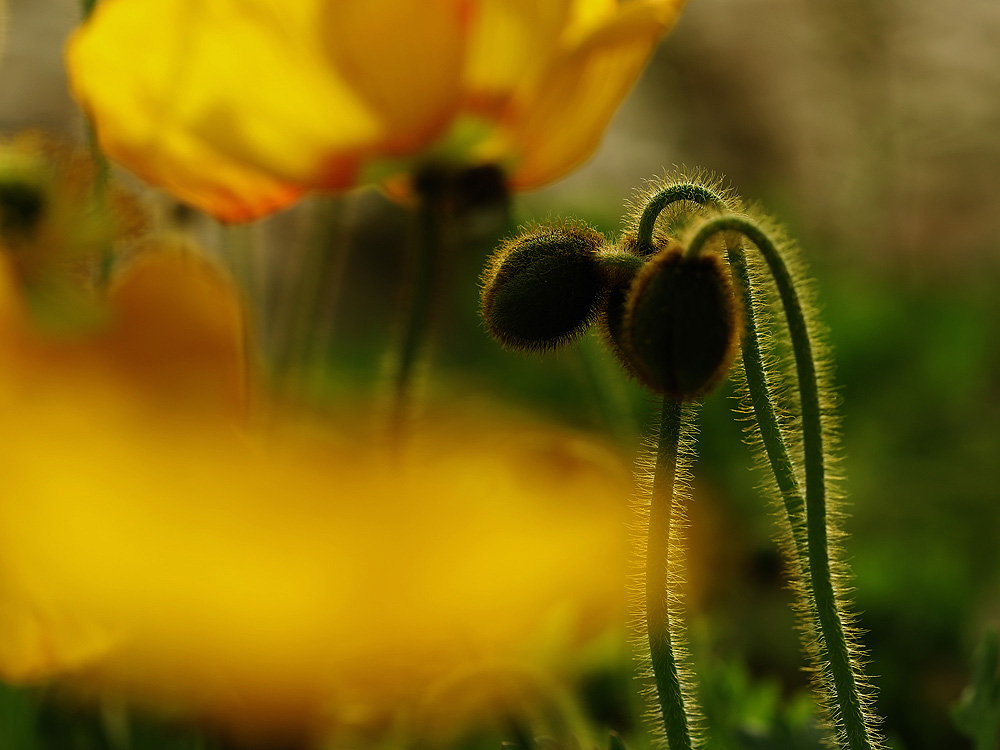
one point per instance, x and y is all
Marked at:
(22, 203)
(681, 324)
(541, 288)
(614, 320)
(622, 265)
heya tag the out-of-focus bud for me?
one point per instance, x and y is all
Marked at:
(541, 288)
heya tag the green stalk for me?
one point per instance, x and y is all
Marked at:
(669, 693)
(681, 191)
(431, 217)
(311, 291)
(102, 174)
(757, 384)
(764, 414)
(661, 646)
(837, 654)
(760, 392)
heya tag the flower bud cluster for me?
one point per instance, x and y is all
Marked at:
(672, 319)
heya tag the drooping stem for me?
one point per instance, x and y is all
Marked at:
(764, 414)
(658, 584)
(835, 647)
(760, 392)
(661, 634)
(681, 191)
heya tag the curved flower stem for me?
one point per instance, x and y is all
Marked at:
(760, 392)
(670, 694)
(682, 191)
(837, 653)
(764, 414)
(658, 630)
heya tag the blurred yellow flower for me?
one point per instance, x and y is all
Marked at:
(56, 227)
(48, 217)
(168, 334)
(191, 569)
(239, 106)
(161, 550)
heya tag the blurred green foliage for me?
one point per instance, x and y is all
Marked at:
(977, 714)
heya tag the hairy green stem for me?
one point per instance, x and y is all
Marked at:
(764, 414)
(661, 646)
(661, 637)
(767, 421)
(681, 191)
(837, 653)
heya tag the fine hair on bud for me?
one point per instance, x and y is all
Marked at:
(681, 323)
(542, 287)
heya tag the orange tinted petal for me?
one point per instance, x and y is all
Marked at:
(233, 106)
(177, 330)
(170, 335)
(196, 174)
(559, 122)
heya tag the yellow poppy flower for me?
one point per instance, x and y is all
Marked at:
(239, 106)
(277, 579)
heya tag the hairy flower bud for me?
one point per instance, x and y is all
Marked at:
(25, 181)
(542, 287)
(22, 204)
(681, 324)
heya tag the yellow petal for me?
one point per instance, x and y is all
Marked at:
(169, 337)
(206, 99)
(510, 41)
(403, 59)
(588, 14)
(237, 106)
(558, 122)
(233, 106)
(262, 584)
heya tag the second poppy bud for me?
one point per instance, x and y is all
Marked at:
(681, 324)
